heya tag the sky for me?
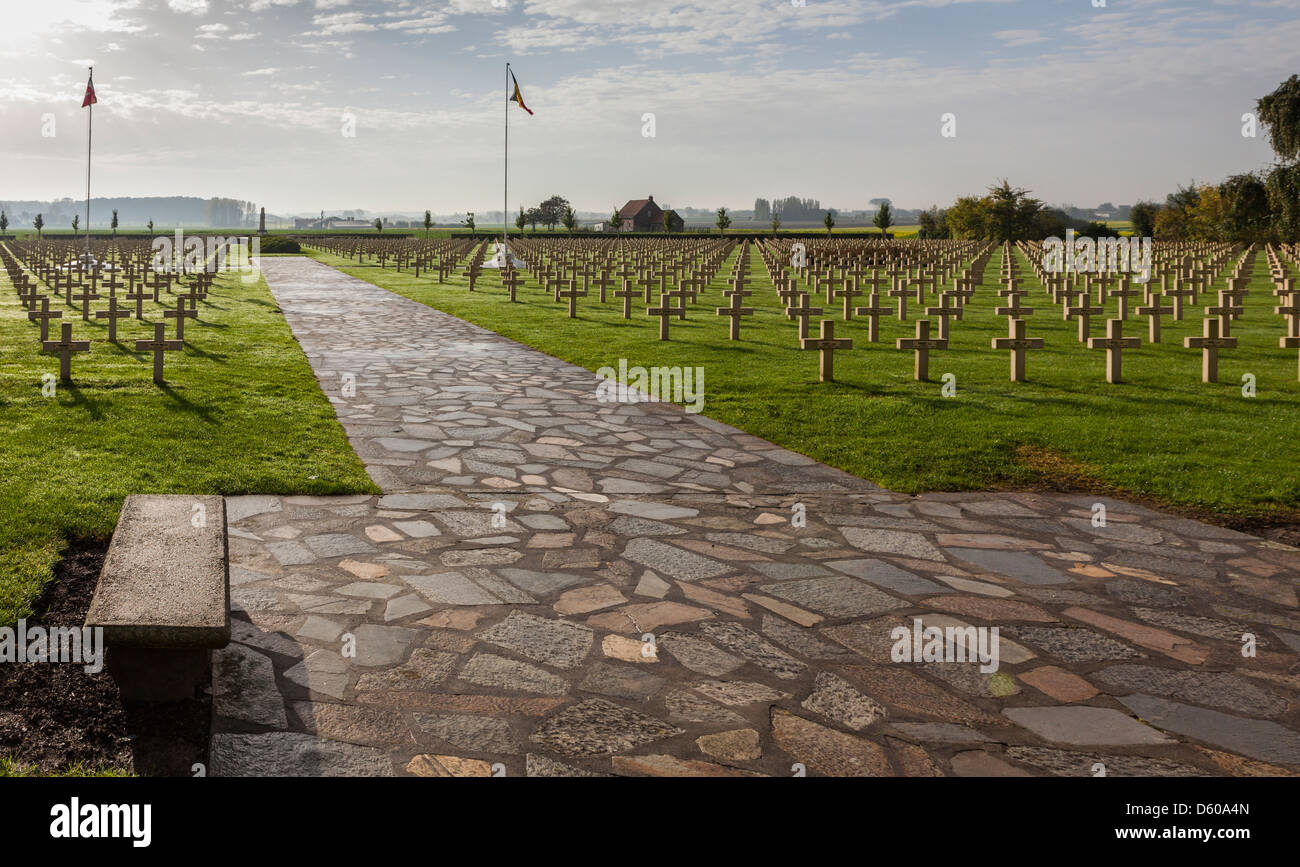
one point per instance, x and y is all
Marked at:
(1080, 101)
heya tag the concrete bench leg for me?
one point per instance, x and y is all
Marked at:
(153, 674)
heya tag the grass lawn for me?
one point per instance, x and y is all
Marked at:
(240, 413)
(1160, 435)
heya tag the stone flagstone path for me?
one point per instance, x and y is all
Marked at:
(551, 585)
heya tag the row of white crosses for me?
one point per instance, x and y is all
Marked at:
(65, 347)
(798, 307)
(1190, 276)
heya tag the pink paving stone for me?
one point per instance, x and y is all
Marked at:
(380, 533)
(551, 540)
(785, 609)
(364, 571)
(584, 599)
(453, 618)
(715, 600)
(988, 540)
(977, 763)
(1147, 636)
(1087, 570)
(1059, 683)
(648, 616)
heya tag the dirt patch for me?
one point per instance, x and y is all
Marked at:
(1062, 474)
(55, 717)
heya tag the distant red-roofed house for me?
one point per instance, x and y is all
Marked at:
(642, 215)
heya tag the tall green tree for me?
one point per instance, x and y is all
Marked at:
(616, 220)
(1280, 113)
(39, 223)
(4, 222)
(379, 224)
(1246, 212)
(1143, 217)
(150, 227)
(776, 221)
(469, 222)
(428, 223)
(113, 224)
(723, 221)
(569, 219)
(968, 218)
(76, 221)
(1011, 212)
(884, 218)
(521, 220)
(933, 223)
(552, 211)
(829, 222)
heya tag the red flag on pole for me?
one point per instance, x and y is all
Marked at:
(90, 93)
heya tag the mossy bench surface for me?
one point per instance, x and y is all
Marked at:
(165, 581)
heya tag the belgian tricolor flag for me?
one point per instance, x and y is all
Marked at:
(518, 97)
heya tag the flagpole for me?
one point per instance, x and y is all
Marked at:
(505, 194)
(90, 124)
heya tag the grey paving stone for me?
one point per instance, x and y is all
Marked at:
(837, 700)
(241, 508)
(787, 571)
(1257, 739)
(1072, 644)
(541, 766)
(737, 692)
(542, 583)
(291, 553)
(654, 511)
(753, 647)
(888, 576)
(382, 645)
(487, 669)
(838, 596)
(337, 545)
(672, 561)
(902, 543)
(293, 754)
(801, 640)
(1084, 726)
(245, 687)
(942, 733)
(450, 588)
(621, 681)
(600, 727)
(627, 525)
(1065, 763)
(1029, 568)
(1146, 593)
(1213, 688)
(480, 734)
(554, 642)
(420, 502)
(698, 654)
(686, 706)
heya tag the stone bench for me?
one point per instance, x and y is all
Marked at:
(163, 597)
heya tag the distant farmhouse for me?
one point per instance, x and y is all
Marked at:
(642, 215)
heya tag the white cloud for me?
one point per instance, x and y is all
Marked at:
(1017, 38)
(189, 7)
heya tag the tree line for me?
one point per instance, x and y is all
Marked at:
(1254, 206)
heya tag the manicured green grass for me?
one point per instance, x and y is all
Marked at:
(1161, 434)
(241, 412)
